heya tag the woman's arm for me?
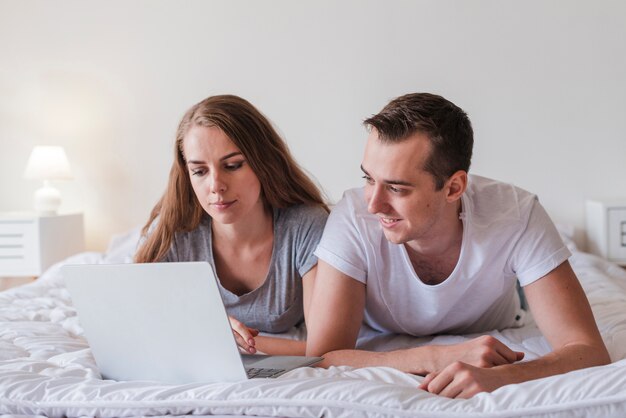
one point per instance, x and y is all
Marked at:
(283, 346)
(280, 346)
(248, 338)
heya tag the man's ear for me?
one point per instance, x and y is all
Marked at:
(456, 185)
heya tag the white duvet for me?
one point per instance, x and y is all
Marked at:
(46, 368)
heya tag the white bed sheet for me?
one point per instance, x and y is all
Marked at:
(46, 367)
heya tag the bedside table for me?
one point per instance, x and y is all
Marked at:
(9, 282)
(30, 243)
(606, 229)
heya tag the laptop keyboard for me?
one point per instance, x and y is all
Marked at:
(259, 373)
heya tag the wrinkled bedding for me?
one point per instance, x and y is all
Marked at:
(46, 367)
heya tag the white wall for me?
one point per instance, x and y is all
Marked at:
(544, 83)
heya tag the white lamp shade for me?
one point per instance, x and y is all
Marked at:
(48, 163)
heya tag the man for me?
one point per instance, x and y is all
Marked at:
(424, 248)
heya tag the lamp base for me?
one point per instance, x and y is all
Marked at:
(47, 200)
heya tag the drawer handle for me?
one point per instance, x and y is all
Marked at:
(12, 246)
(11, 257)
(16, 222)
(11, 235)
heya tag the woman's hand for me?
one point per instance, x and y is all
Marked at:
(244, 335)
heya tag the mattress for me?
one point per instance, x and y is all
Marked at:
(46, 367)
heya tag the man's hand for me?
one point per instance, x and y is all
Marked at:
(484, 351)
(244, 335)
(461, 380)
(555, 299)
(468, 368)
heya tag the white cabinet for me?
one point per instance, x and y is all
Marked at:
(606, 229)
(29, 243)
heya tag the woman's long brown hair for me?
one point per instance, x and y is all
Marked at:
(283, 182)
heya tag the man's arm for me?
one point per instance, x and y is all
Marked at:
(308, 284)
(335, 312)
(335, 317)
(562, 312)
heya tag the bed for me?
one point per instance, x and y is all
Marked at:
(46, 367)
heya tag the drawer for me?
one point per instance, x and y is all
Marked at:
(29, 244)
(617, 234)
(19, 248)
(15, 226)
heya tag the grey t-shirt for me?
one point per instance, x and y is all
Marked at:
(276, 305)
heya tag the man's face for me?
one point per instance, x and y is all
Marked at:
(400, 192)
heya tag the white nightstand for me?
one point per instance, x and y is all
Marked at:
(606, 229)
(29, 243)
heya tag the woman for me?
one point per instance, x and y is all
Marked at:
(237, 199)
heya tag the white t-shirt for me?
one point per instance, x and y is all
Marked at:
(507, 235)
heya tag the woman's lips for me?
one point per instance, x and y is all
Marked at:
(223, 205)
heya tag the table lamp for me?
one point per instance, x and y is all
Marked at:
(48, 163)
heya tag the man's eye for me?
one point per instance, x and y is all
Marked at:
(395, 189)
(368, 180)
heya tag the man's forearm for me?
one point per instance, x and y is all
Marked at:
(566, 359)
(484, 351)
(417, 360)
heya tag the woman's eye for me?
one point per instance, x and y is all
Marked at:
(197, 172)
(234, 166)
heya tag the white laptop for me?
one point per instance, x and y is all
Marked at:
(163, 322)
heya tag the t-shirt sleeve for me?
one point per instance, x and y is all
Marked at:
(308, 237)
(342, 244)
(539, 249)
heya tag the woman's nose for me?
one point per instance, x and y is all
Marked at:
(216, 183)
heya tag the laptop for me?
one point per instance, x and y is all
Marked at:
(163, 322)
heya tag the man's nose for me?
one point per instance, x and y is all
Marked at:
(375, 199)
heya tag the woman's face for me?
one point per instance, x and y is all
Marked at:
(225, 185)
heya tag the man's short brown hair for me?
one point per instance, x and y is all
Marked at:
(446, 125)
